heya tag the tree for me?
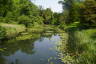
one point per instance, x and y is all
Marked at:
(24, 20)
(88, 13)
(68, 6)
(47, 15)
(5, 6)
(71, 12)
(28, 8)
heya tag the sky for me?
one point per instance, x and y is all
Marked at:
(53, 4)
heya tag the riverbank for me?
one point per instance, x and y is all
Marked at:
(11, 30)
(14, 30)
(78, 47)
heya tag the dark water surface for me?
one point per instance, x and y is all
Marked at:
(41, 50)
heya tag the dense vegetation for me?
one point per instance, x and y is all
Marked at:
(17, 16)
(80, 19)
(76, 13)
(79, 13)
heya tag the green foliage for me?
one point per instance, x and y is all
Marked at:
(28, 13)
(5, 6)
(70, 17)
(2, 19)
(54, 21)
(47, 15)
(29, 21)
(74, 13)
(28, 8)
(82, 12)
(12, 30)
(12, 9)
(78, 47)
(37, 19)
(88, 13)
(24, 20)
(2, 32)
(86, 43)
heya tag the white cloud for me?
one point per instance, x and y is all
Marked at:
(53, 4)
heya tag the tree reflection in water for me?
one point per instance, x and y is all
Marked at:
(16, 51)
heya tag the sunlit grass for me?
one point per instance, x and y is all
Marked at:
(35, 29)
(12, 29)
(87, 41)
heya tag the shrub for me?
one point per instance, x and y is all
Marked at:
(24, 20)
(37, 20)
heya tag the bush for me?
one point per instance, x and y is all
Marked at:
(7, 20)
(37, 20)
(24, 20)
(30, 21)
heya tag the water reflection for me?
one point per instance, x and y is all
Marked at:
(40, 49)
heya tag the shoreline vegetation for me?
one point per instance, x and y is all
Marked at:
(78, 47)
(76, 25)
(14, 30)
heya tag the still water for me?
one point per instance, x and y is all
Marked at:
(40, 50)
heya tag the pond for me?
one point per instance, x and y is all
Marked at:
(73, 47)
(38, 50)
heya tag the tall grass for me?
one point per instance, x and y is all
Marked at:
(87, 41)
(79, 48)
(12, 29)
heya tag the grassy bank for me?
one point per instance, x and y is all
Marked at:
(87, 46)
(79, 47)
(12, 30)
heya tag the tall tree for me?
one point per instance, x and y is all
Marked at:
(88, 13)
(47, 15)
(71, 11)
(5, 6)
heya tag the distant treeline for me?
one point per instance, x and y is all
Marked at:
(76, 13)
(27, 13)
